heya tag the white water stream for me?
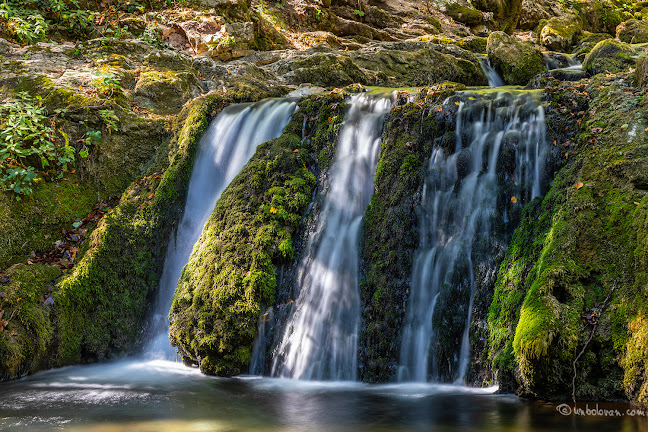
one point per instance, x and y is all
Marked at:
(225, 148)
(321, 338)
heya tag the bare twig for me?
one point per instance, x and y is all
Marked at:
(605, 304)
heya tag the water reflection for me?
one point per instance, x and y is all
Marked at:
(164, 396)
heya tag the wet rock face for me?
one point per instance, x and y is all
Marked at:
(632, 31)
(609, 55)
(516, 62)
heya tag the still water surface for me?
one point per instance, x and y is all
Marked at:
(160, 396)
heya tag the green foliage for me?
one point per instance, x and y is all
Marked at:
(28, 143)
(31, 20)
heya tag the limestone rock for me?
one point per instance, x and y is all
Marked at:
(200, 34)
(632, 31)
(165, 92)
(404, 64)
(233, 40)
(321, 69)
(506, 13)
(6, 46)
(641, 71)
(136, 26)
(609, 56)
(560, 34)
(517, 62)
(532, 13)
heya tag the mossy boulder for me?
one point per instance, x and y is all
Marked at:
(165, 92)
(609, 56)
(641, 71)
(588, 42)
(232, 41)
(516, 61)
(231, 276)
(464, 14)
(391, 236)
(576, 268)
(322, 69)
(561, 33)
(632, 31)
(409, 64)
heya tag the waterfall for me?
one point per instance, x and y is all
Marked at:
(226, 146)
(498, 161)
(494, 79)
(320, 340)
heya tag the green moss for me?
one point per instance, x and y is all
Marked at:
(464, 14)
(583, 240)
(391, 237)
(517, 62)
(230, 276)
(27, 332)
(100, 305)
(609, 55)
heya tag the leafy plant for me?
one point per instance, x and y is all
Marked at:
(359, 13)
(106, 84)
(110, 119)
(27, 139)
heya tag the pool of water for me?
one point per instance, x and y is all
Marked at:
(159, 396)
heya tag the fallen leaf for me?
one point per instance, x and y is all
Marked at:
(636, 203)
(296, 151)
(579, 185)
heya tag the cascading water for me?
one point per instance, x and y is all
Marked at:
(320, 340)
(225, 148)
(497, 162)
(494, 79)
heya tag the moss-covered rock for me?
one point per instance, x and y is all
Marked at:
(325, 70)
(165, 92)
(100, 305)
(26, 329)
(609, 56)
(641, 70)
(464, 14)
(561, 33)
(231, 276)
(586, 44)
(517, 62)
(405, 64)
(632, 31)
(391, 232)
(576, 268)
